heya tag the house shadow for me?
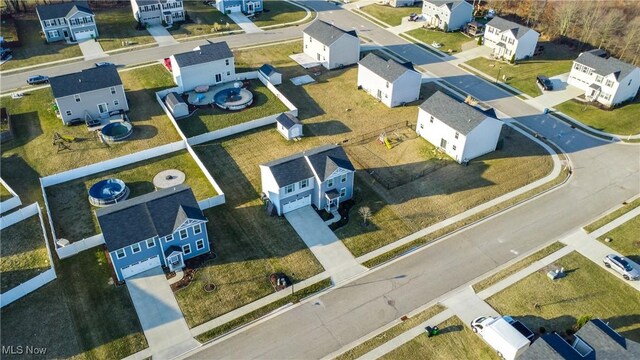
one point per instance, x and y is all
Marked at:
(480, 89)
(326, 128)
(138, 188)
(21, 177)
(25, 127)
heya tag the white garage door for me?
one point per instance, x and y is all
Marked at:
(84, 34)
(141, 266)
(296, 204)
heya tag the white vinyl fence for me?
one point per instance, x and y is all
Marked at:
(41, 279)
(11, 203)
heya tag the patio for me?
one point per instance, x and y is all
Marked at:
(305, 60)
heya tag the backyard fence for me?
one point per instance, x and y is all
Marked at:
(372, 135)
(232, 130)
(78, 246)
(41, 279)
(11, 203)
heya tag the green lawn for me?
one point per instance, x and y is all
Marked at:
(205, 20)
(8, 29)
(587, 290)
(620, 121)
(451, 41)
(33, 49)
(23, 253)
(264, 104)
(455, 341)
(555, 60)
(625, 239)
(279, 12)
(73, 215)
(117, 29)
(390, 15)
(612, 216)
(4, 193)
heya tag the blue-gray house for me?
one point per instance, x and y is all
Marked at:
(162, 228)
(322, 177)
(72, 21)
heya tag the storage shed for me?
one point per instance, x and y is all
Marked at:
(176, 105)
(271, 74)
(289, 126)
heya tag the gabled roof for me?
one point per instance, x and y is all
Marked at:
(604, 67)
(287, 120)
(326, 33)
(158, 213)
(390, 70)
(450, 4)
(267, 69)
(552, 347)
(459, 116)
(204, 53)
(504, 25)
(324, 160)
(87, 80)
(61, 10)
(172, 99)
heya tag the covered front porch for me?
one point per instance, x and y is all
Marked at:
(333, 200)
(174, 258)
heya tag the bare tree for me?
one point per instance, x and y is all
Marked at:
(590, 15)
(565, 16)
(12, 6)
(365, 212)
(608, 26)
(630, 43)
(536, 9)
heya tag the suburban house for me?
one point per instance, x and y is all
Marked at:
(176, 105)
(245, 6)
(458, 129)
(594, 340)
(90, 94)
(330, 45)
(447, 15)
(208, 64)
(606, 80)
(401, 3)
(270, 74)
(389, 81)
(289, 126)
(322, 177)
(70, 21)
(507, 39)
(162, 228)
(156, 11)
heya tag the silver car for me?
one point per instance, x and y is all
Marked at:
(621, 265)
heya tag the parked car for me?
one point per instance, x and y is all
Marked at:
(17, 95)
(37, 79)
(103, 63)
(622, 266)
(414, 17)
(544, 82)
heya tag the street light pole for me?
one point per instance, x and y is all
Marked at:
(292, 275)
(498, 76)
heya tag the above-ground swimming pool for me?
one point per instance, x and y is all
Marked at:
(116, 131)
(107, 192)
(233, 98)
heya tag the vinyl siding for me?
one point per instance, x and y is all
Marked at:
(89, 102)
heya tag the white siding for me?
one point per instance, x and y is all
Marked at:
(481, 140)
(343, 52)
(628, 87)
(460, 15)
(618, 92)
(526, 45)
(371, 83)
(406, 88)
(190, 77)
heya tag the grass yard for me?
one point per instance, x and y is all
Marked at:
(279, 12)
(538, 301)
(4, 193)
(117, 29)
(264, 104)
(8, 29)
(625, 239)
(612, 216)
(390, 15)
(455, 341)
(34, 49)
(73, 215)
(620, 121)
(23, 253)
(451, 41)
(555, 60)
(205, 20)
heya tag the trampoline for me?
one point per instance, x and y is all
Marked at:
(116, 131)
(233, 98)
(107, 192)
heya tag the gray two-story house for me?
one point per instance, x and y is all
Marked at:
(70, 21)
(162, 228)
(89, 95)
(156, 11)
(322, 177)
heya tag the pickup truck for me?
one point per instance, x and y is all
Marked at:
(509, 337)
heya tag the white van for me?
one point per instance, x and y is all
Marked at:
(503, 336)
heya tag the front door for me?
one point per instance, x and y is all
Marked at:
(168, 19)
(319, 57)
(103, 109)
(250, 7)
(65, 33)
(218, 78)
(175, 261)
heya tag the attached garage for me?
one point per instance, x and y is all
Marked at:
(296, 204)
(141, 266)
(84, 34)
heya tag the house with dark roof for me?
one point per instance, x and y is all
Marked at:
(91, 94)
(235, 6)
(447, 15)
(208, 64)
(594, 341)
(73, 21)
(460, 130)
(162, 228)
(330, 45)
(322, 177)
(507, 39)
(270, 74)
(604, 79)
(156, 11)
(389, 81)
(289, 126)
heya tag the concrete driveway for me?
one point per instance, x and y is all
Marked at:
(327, 248)
(561, 92)
(247, 25)
(162, 322)
(91, 49)
(161, 35)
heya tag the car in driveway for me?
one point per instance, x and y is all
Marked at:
(103, 63)
(622, 266)
(544, 82)
(37, 79)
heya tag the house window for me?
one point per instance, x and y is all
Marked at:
(421, 126)
(330, 182)
(576, 66)
(599, 79)
(200, 244)
(310, 39)
(343, 178)
(168, 238)
(218, 78)
(120, 253)
(443, 143)
(186, 249)
(629, 84)
(457, 134)
(54, 33)
(135, 248)
(609, 83)
(303, 184)
(228, 73)
(289, 188)
(113, 90)
(343, 192)
(183, 234)
(77, 97)
(151, 243)
(68, 112)
(116, 102)
(197, 229)
(511, 41)
(453, 147)
(226, 62)
(431, 119)
(387, 84)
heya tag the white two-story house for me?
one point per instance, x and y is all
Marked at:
(447, 15)
(507, 38)
(206, 65)
(389, 81)
(156, 11)
(606, 80)
(72, 21)
(330, 45)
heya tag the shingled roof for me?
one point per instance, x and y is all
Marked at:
(504, 25)
(287, 120)
(459, 116)
(326, 33)
(389, 70)
(158, 213)
(61, 10)
(203, 54)
(87, 80)
(450, 4)
(604, 67)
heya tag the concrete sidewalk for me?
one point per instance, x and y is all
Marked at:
(91, 49)
(245, 24)
(615, 223)
(161, 35)
(467, 305)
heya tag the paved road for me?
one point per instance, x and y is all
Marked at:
(604, 175)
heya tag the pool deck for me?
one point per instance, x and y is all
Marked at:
(108, 120)
(209, 94)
